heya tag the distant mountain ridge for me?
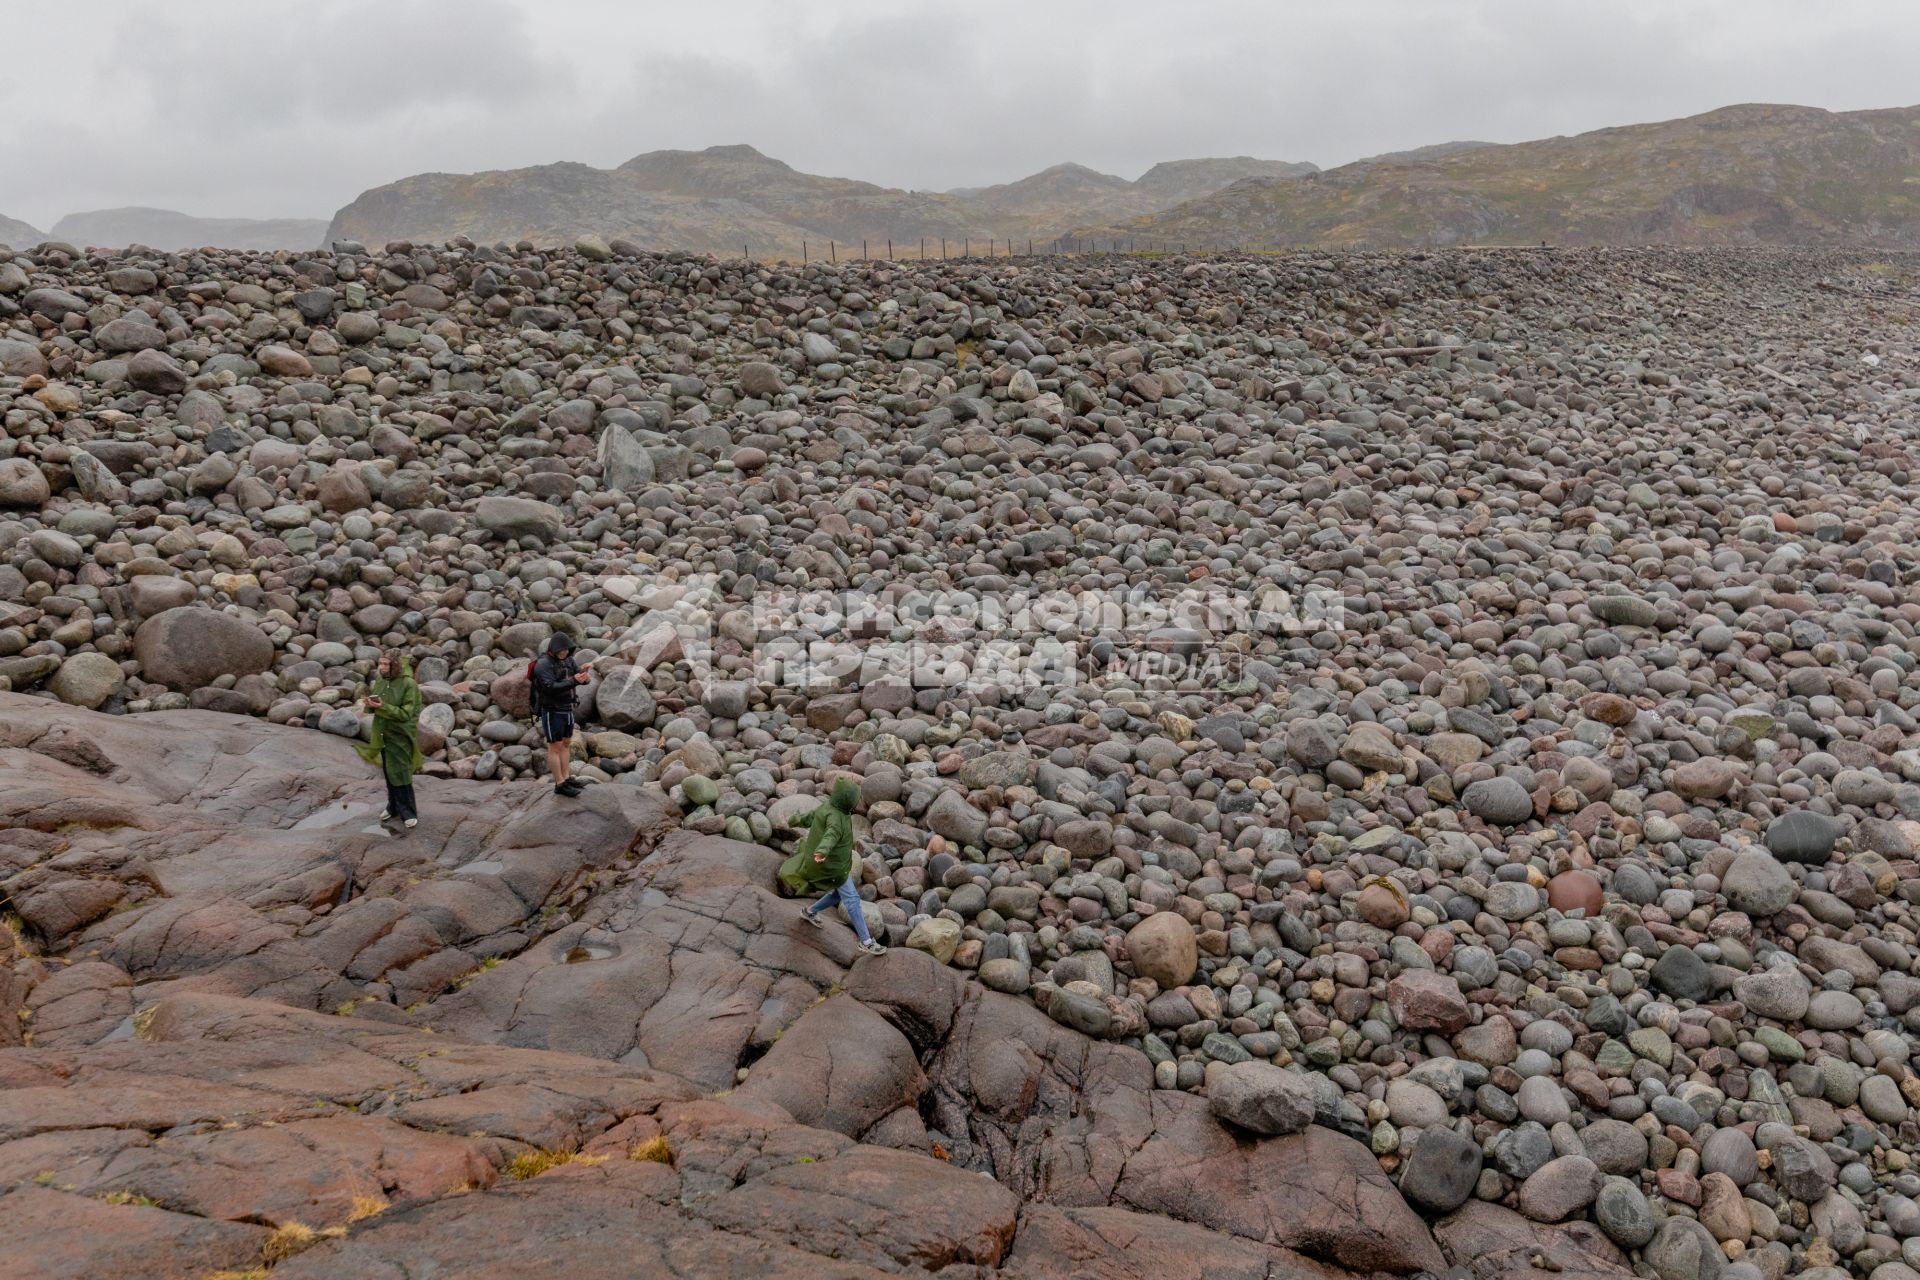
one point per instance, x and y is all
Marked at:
(726, 198)
(1049, 200)
(171, 230)
(1749, 174)
(1745, 174)
(17, 234)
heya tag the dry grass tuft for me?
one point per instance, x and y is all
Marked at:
(18, 928)
(531, 1164)
(654, 1149)
(365, 1207)
(291, 1238)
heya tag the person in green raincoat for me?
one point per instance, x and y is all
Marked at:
(825, 861)
(394, 743)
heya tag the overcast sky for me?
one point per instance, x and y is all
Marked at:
(258, 108)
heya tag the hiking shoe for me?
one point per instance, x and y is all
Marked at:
(411, 823)
(873, 948)
(571, 787)
(813, 919)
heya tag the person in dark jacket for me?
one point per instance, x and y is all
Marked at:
(394, 742)
(556, 678)
(824, 860)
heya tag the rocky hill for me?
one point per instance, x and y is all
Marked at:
(1521, 875)
(1182, 180)
(1056, 199)
(722, 198)
(824, 208)
(553, 204)
(19, 234)
(1432, 151)
(1743, 175)
(170, 230)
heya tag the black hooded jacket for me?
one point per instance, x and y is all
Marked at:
(553, 686)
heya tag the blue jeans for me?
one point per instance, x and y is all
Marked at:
(849, 897)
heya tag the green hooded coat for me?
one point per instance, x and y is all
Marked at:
(394, 742)
(829, 832)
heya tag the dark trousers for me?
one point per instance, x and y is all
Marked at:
(400, 801)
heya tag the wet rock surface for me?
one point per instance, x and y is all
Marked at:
(1560, 861)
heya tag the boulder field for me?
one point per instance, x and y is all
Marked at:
(1532, 884)
(255, 1030)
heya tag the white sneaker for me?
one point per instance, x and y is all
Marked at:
(385, 816)
(813, 919)
(873, 948)
(411, 823)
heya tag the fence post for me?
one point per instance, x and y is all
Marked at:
(889, 251)
(966, 247)
(833, 252)
(943, 248)
(803, 253)
(863, 251)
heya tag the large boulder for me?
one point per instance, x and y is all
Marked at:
(1802, 836)
(1261, 1098)
(1501, 801)
(624, 462)
(519, 518)
(1442, 1170)
(1422, 1000)
(1757, 884)
(624, 701)
(86, 680)
(157, 372)
(951, 816)
(190, 647)
(1163, 947)
(22, 484)
(21, 359)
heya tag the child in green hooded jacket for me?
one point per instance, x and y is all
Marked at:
(825, 859)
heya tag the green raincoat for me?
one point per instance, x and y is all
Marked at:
(394, 743)
(829, 831)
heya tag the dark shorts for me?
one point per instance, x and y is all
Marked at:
(556, 726)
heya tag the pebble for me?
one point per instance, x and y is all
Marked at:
(1755, 883)
(1802, 836)
(1622, 1211)
(1502, 801)
(1560, 1188)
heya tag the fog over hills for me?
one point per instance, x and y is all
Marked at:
(169, 229)
(18, 234)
